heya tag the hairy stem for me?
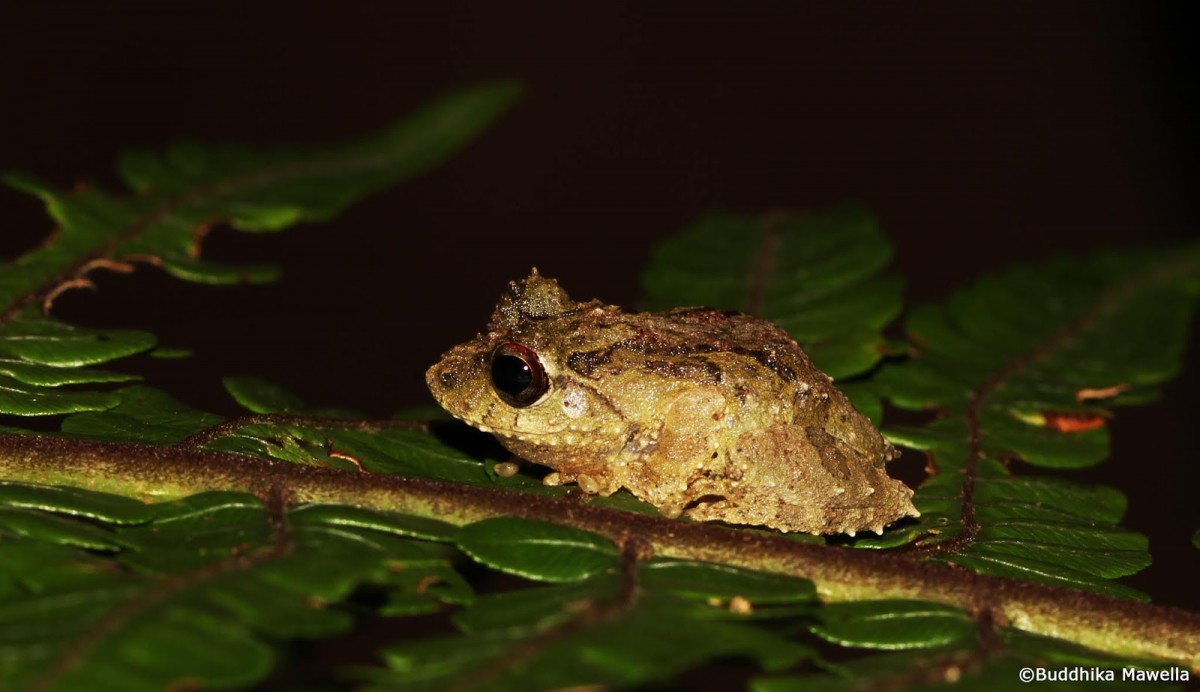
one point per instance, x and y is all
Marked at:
(154, 473)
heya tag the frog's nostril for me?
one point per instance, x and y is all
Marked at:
(448, 379)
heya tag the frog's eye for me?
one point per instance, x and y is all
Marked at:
(517, 375)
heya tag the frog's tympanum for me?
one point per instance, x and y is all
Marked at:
(709, 413)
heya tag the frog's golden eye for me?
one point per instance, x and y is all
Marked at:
(517, 375)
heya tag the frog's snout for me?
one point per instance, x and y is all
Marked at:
(442, 378)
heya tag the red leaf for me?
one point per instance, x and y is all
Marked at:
(1073, 422)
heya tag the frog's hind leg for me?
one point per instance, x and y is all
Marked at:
(794, 478)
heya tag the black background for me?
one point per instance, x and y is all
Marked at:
(982, 135)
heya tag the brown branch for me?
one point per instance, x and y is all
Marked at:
(155, 473)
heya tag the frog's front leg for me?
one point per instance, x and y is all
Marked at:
(594, 473)
(596, 482)
(687, 451)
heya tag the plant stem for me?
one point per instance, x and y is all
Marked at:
(154, 473)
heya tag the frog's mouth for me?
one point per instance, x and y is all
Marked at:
(511, 432)
(508, 429)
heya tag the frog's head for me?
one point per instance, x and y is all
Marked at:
(513, 380)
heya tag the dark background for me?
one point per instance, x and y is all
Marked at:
(982, 135)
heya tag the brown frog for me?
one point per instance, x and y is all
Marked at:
(709, 413)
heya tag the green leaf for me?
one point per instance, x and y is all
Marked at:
(865, 398)
(56, 376)
(816, 275)
(52, 529)
(170, 353)
(1035, 528)
(531, 609)
(41, 356)
(432, 663)
(143, 415)
(146, 651)
(580, 634)
(538, 550)
(893, 624)
(1102, 551)
(213, 565)
(423, 589)
(399, 524)
(1042, 340)
(21, 399)
(261, 396)
(111, 509)
(385, 450)
(1031, 363)
(179, 192)
(266, 190)
(1045, 572)
(30, 565)
(44, 355)
(46, 342)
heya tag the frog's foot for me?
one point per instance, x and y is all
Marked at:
(671, 510)
(556, 478)
(589, 484)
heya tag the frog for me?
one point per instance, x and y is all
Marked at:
(705, 413)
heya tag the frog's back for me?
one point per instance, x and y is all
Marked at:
(698, 337)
